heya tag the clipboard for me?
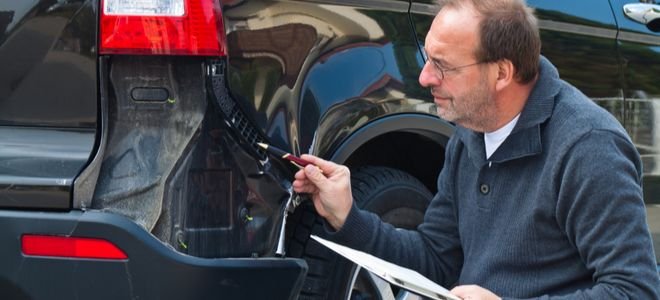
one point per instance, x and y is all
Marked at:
(394, 274)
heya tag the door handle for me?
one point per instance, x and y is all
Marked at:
(642, 12)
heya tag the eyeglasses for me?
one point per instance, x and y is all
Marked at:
(440, 72)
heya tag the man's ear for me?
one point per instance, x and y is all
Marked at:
(505, 74)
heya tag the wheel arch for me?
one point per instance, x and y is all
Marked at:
(393, 140)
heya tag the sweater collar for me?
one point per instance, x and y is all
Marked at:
(525, 139)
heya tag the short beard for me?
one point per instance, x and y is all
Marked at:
(474, 110)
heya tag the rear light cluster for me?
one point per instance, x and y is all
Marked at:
(70, 247)
(162, 27)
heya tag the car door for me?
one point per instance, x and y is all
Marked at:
(639, 47)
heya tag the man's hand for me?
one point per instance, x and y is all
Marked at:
(330, 189)
(474, 292)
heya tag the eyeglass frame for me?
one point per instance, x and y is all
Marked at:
(442, 71)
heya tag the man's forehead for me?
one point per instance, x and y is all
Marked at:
(454, 30)
(460, 19)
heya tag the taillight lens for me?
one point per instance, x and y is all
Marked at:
(72, 247)
(162, 27)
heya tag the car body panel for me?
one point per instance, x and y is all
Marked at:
(347, 66)
(48, 127)
(38, 165)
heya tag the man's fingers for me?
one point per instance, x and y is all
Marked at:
(303, 183)
(325, 165)
(474, 292)
(314, 175)
(300, 175)
(304, 187)
(463, 291)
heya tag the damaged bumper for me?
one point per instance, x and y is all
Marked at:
(152, 270)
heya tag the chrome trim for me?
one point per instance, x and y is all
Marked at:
(577, 29)
(381, 4)
(639, 38)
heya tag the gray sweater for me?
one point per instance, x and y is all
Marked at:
(557, 215)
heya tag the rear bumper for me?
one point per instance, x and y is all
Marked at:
(152, 271)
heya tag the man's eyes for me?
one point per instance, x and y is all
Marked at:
(439, 65)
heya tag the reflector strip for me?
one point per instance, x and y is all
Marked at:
(154, 27)
(73, 247)
(144, 7)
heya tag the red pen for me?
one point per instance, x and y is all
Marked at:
(297, 161)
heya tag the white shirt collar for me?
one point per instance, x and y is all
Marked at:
(493, 140)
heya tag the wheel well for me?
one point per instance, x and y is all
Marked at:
(413, 153)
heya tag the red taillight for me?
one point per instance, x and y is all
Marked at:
(176, 27)
(73, 247)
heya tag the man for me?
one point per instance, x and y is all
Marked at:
(539, 195)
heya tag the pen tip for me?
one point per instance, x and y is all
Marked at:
(262, 145)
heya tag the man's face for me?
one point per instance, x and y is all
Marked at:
(465, 93)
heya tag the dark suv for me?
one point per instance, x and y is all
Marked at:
(129, 165)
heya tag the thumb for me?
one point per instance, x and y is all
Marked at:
(314, 174)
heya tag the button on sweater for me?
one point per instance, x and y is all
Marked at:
(555, 213)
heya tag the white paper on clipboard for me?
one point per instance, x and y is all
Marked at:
(394, 274)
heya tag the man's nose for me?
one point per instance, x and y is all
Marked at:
(426, 77)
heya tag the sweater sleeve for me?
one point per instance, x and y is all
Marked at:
(600, 207)
(432, 250)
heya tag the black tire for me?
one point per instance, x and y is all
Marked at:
(399, 198)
